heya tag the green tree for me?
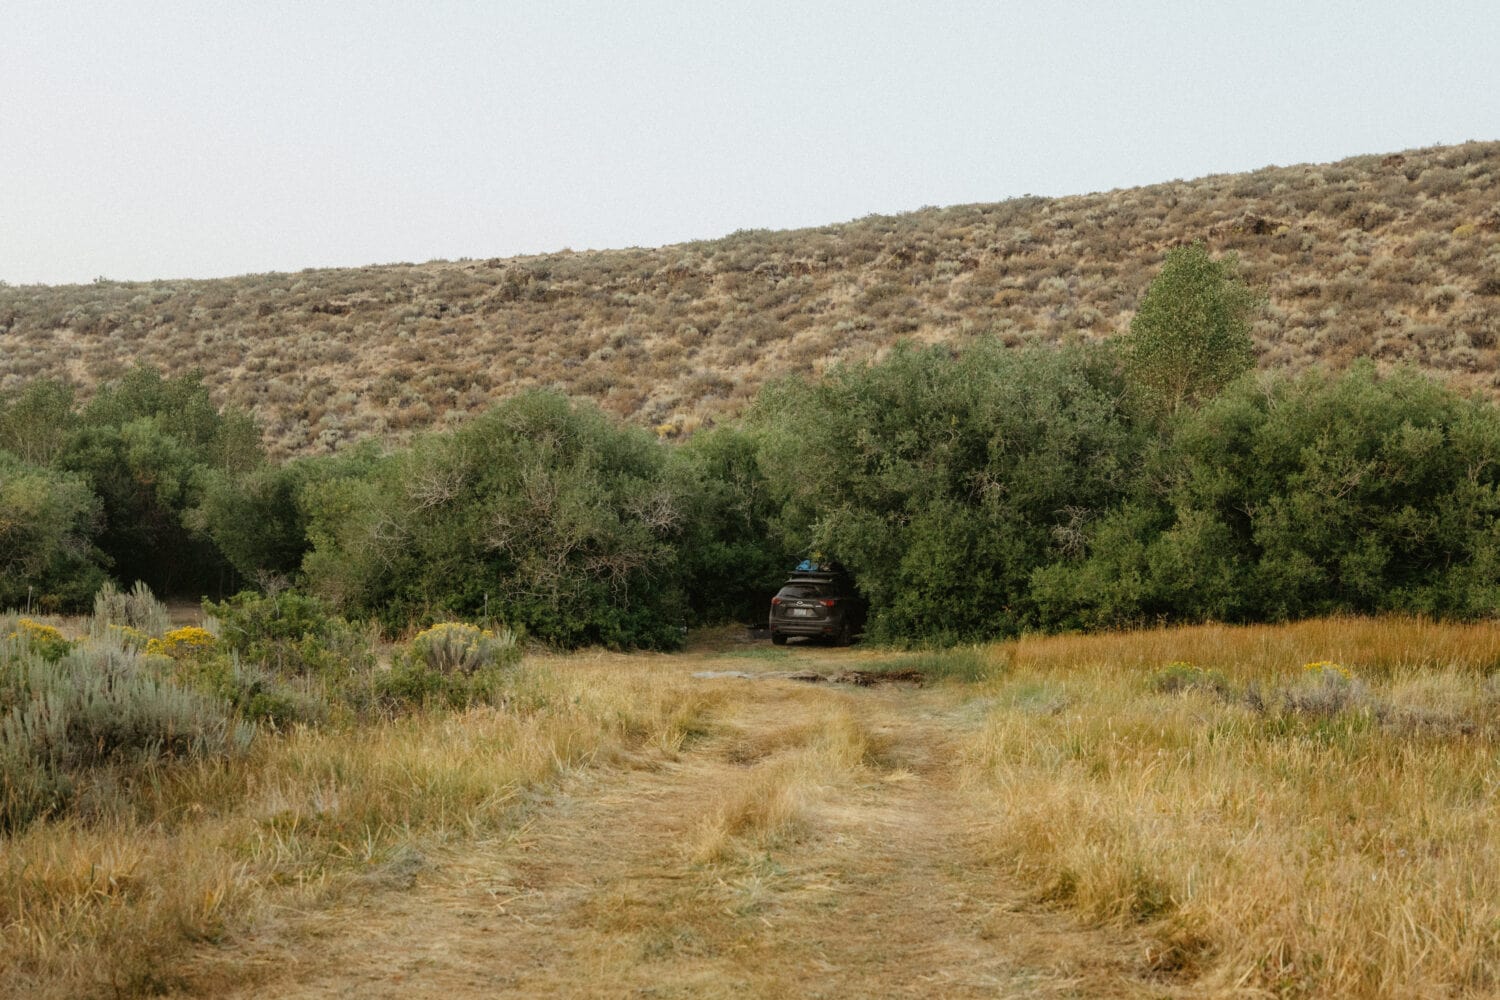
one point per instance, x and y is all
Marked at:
(544, 512)
(217, 437)
(47, 523)
(35, 421)
(731, 556)
(1191, 335)
(147, 446)
(259, 519)
(943, 481)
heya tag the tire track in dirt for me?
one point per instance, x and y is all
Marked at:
(875, 886)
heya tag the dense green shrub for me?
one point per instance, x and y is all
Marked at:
(1291, 498)
(145, 480)
(258, 695)
(258, 518)
(942, 482)
(146, 446)
(116, 485)
(411, 684)
(732, 554)
(291, 634)
(973, 493)
(542, 513)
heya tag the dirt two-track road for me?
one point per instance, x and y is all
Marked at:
(812, 840)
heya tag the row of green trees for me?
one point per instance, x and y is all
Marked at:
(114, 486)
(543, 513)
(973, 493)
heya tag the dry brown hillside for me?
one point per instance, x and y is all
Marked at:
(1391, 257)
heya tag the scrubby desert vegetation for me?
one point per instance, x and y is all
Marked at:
(164, 787)
(1298, 810)
(1392, 258)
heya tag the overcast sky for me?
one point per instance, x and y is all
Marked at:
(198, 139)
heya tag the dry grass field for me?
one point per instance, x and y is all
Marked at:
(1171, 813)
(1314, 810)
(1393, 257)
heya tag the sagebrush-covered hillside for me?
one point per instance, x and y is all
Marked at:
(1393, 257)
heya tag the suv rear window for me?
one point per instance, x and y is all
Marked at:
(802, 590)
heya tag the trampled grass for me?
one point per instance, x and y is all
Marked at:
(768, 806)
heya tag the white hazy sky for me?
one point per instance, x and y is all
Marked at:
(196, 139)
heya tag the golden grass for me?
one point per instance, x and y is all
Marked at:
(1376, 646)
(1293, 845)
(768, 807)
(1289, 832)
(107, 907)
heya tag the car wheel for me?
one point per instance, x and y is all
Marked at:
(777, 639)
(844, 637)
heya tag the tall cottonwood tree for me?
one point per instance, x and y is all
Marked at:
(1191, 335)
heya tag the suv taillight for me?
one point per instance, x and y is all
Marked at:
(775, 601)
(827, 602)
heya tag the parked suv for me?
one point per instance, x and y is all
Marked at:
(818, 601)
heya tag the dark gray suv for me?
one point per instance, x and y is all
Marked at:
(818, 601)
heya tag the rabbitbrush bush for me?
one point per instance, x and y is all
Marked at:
(454, 647)
(450, 664)
(41, 639)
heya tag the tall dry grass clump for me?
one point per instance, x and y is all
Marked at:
(770, 806)
(1305, 810)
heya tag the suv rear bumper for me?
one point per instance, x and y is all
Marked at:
(808, 628)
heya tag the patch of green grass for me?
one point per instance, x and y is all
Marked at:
(1034, 697)
(966, 664)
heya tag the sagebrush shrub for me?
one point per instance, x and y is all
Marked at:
(136, 609)
(450, 665)
(1180, 675)
(258, 694)
(90, 708)
(1325, 690)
